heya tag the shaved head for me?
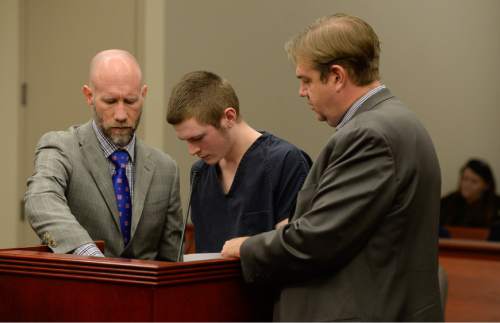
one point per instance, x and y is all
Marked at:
(112, 65)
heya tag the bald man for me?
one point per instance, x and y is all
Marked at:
(98, 181)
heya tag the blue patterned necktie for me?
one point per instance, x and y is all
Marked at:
(122, 191)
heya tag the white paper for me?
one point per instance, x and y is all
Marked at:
(201, 256)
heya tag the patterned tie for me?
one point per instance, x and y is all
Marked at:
(122, 191)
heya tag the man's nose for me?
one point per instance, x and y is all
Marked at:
(302, 91)
(193, 149)
(120, 114)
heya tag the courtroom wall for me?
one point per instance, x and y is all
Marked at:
(438, 56)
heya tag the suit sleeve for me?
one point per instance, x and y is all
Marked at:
(171, 237)
(336, 214)
(45, 201)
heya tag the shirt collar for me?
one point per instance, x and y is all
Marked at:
(356, 105)
(108, 147)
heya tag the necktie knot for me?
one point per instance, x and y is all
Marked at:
(119, 158)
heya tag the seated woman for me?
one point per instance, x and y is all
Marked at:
(475, 203)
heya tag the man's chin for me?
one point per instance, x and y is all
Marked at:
(320, 117)
(119, 135)
(122, 140)
(210, 160)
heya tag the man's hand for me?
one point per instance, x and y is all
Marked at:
(231, 248)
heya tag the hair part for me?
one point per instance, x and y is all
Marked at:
(338, 39)
(201, 95)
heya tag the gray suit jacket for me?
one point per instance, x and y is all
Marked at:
(362, 244)
(70, 199)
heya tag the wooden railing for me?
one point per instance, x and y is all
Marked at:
(473, 269)
(468, 233)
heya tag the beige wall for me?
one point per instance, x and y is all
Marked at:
(9, 92)
(439, 56)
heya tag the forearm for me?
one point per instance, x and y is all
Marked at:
(54, 223)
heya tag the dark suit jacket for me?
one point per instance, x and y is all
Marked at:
(70, 199)
(362, 244)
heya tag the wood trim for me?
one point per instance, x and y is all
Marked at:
(465, 248)
(459, 232)
(128, 271)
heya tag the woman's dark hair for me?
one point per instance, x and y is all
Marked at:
(483, 170)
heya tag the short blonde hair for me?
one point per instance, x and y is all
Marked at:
(339, 39)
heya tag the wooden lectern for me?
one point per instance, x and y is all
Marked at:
(37, 285)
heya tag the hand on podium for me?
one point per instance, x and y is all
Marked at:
(231, 248)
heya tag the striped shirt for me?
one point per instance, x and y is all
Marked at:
(108, 147)
(356, 105)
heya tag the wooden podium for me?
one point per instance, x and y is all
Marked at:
(37, 285)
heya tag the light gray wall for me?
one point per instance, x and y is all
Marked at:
(441, 57)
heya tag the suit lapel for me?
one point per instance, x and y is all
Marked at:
(144, 168)
(98, 166)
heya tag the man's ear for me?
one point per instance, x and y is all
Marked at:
(230, 114)
(338, 76)
(229, 117)
(144, 91)
(89, 95)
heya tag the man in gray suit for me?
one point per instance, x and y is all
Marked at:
(79, 193)
(362, 244)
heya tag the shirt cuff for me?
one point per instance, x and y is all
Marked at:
(88, 249)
